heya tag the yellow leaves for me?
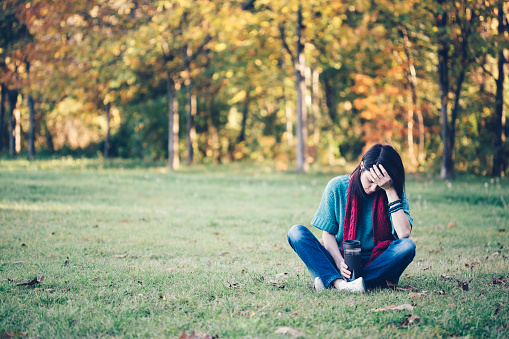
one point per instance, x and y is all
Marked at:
(220, 47)
(229, 73)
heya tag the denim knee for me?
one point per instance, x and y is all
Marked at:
(405, 248)
(296, 233)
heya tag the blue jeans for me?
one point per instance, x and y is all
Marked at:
(387, 267)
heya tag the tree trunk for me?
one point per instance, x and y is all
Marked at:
(289, 122)
(300, 83)
(447, 169)
(173, 125)
(49, 138)
(31, 131)
(316, 110)
(108, 127)
(245, 112)
(3, 96)
(13, 99)
(455, 109)
(31, 109)
(191, 113)
(498, 156)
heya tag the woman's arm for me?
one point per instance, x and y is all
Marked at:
(399, 220)
(330, 244)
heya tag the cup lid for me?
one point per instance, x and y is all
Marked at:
(352, 244)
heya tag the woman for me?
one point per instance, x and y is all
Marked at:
(369, 205)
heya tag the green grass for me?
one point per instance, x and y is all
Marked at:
(205, 245)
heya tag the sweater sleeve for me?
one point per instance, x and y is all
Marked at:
(326, 218)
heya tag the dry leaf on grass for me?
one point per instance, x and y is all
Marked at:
(411, 318)
(282, 275)
(505, 327)
(233, 285)
(499, 281)
(396, 287)
(66, 261)
(20, 262)
(464, 284)
(277, 284)
(14, 335)
(417, 295)
(193, 335)
(289, 330)
(448, 276)
(407, 307)
(32, 282)
(442, 292)
(120, 255)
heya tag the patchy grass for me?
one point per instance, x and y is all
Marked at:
(206, 249)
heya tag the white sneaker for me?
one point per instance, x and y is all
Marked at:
(356, 286)
(319, 286)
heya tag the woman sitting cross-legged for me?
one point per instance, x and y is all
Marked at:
(370, 206)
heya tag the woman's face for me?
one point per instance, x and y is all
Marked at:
(367, 183)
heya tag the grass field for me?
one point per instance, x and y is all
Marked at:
(151, 254)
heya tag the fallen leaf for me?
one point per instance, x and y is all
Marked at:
(427, 268)
(448, 276)
(9, 280)
(282, 276)
(411, 318)
(14, 335)
(196, 336)
(23, 245)
(502, 230)
(120, 255)
(66, 261)
(396, 287)
(503, 328)
(417, 295)
(442, 292)
(32, 282)
(434, 251)
(279, 247)
(499, 281)
(65, 289)
(20, 262)
(407, 307)
(223, 253)
(497, 310)
(162, 297)
(247, 314)
(495, 254)
(464, 284)
(451, 224)
(289, 330)
(276, 284)
(243, 271)
(234, 285)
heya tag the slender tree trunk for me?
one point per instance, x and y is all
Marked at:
(316, 110)
(49, 137)
(31, 130)
(300, 82)
(173, 125)
(108, 127)
(191, 113)
(13, 99)
(447, 170)
(329, 97)
(455, 109)
(3, 96)
(245, 112)
(288, 114)
(498, 156)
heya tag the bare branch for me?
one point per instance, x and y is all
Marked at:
(283, 39)
(481, 64)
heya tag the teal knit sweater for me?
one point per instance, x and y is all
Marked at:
(330, 216)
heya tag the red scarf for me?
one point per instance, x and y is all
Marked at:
(382, 229)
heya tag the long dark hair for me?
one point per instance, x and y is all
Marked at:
(389, 158)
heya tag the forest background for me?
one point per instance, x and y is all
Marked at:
(300, 83)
